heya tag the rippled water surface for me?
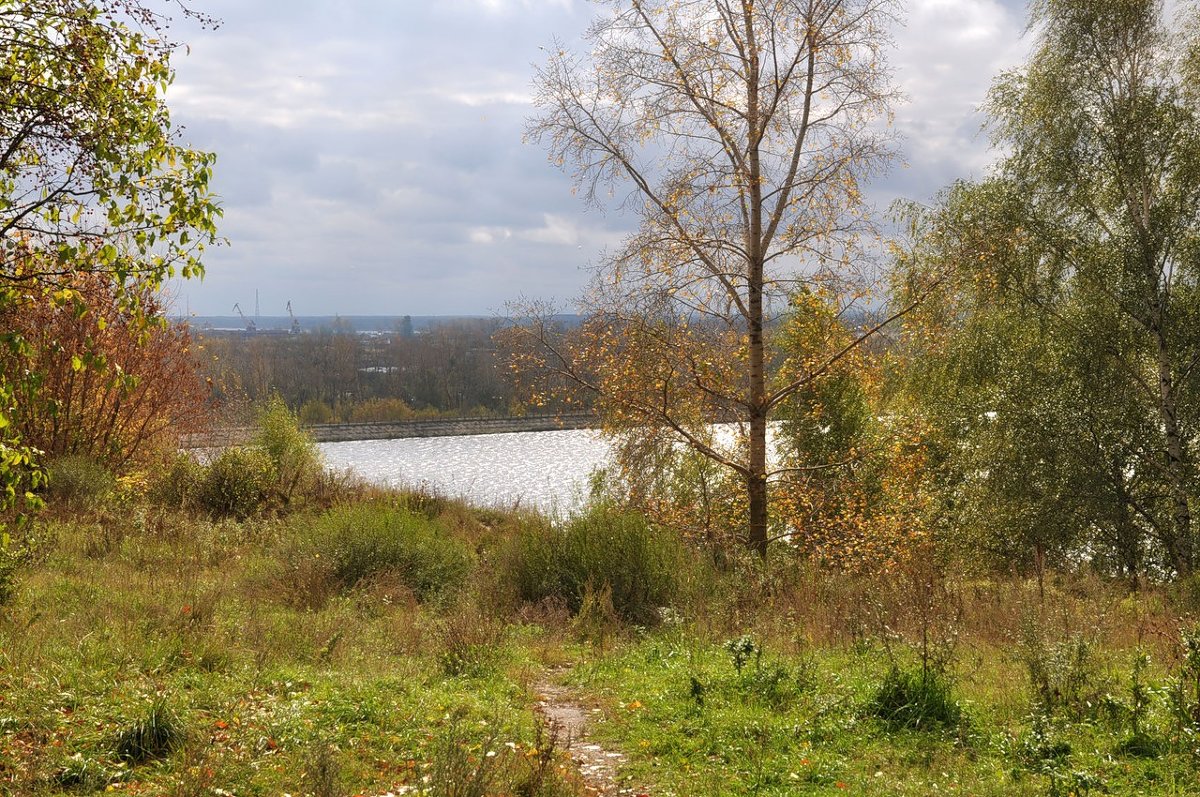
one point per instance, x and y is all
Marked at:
(547, 470)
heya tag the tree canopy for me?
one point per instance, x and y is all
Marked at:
(1062, 364)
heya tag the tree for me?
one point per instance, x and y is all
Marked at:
(1025, 461)
(101, 384)
(744, 130)
(93, 177)
(1081, 257)
(850, 487)
(91, 169)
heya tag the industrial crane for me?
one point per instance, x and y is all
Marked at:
(250, 325)
(295, 330)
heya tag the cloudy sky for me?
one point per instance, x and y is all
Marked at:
(370, 159)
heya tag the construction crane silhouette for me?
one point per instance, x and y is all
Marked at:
(295, 330)
(250, 325)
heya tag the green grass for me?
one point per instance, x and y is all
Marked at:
(693, 725)
(369, 649)
(163, 663)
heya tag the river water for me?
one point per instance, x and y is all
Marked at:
(546, 470)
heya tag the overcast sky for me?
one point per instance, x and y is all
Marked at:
(370, 159)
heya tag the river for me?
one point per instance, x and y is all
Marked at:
(545, 470)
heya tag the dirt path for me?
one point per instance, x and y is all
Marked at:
(597, 765)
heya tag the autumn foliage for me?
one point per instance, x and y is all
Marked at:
(846, 476)
(99, 379)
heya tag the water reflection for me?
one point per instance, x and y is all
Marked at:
(546, 470)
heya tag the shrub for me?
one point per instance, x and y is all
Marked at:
(294, 455)
(109, 383)
(915, 700)
(597, 551)
(237, 482)
(380, 410)
(78, 481)
(315, 411)
(179, 483)
(358, 541)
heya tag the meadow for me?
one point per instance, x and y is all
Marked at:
(356, 641)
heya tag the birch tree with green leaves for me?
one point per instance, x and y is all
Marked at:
(1082, 256)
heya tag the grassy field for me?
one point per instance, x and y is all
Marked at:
(393, 644)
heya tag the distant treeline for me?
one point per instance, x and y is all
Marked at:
(337, 375)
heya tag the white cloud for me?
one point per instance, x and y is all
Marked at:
(370, 156)
(488, 235)
(946, 57)
(475, 99)
(555, 230)
(510, 6)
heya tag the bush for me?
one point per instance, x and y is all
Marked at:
(358, 541)
(179, 483)
(596, 552)
(315, 411)
(916, 700)
(294, 455)
(380, 410)
(78, 481)
(236, 483)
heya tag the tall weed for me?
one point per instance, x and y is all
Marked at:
(1063, 674)
(236, 483)
(79, 482)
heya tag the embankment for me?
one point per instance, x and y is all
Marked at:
(392, 430)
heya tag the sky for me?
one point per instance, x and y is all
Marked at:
(370, 157)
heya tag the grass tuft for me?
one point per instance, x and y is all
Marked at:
(154, 735)
(915, 700)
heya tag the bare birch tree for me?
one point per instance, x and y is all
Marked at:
(743, 131)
